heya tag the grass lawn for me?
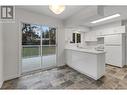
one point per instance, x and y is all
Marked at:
(35, 51)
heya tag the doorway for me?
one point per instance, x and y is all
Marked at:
(38, 47)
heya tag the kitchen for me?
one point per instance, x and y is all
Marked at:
(108, 44)
(84, 47)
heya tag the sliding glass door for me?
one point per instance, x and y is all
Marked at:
(38, 47)
(48, 47)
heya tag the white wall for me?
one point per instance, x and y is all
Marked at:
(1, 56)
(12, 40)
(125, 23)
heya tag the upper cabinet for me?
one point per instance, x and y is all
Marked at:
(113, 39)
(91, 36)
(120, 29)
(110, 31)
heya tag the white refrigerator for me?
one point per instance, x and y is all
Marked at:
(115, 49)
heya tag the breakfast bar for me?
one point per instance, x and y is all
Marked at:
(87, 61)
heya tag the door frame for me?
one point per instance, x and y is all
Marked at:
(20, 46)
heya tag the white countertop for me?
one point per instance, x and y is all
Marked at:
(86, 50)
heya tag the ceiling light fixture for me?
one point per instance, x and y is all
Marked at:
(57, 9)
(106, 18)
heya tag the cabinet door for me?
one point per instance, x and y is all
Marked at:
(93, 36)
(107, 32)
(120, 29)
(98, 33)
(90, 36)
(116, 30)
(114, 55)
(113, 39)
(68, 56)
(87, 36)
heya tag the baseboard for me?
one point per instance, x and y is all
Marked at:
(1, 83)
(61, 65)
(11, 77)
(114, 65)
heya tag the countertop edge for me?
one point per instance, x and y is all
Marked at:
(86, 51)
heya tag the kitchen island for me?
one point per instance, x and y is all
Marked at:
(87, 61)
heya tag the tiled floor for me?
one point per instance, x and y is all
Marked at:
(67, 78)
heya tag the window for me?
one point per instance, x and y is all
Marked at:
(48, 36)
(31, 34)
(76, 38)
(52, 34)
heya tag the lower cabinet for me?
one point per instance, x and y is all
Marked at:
(92, 65)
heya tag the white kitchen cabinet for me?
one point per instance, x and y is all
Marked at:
(90, 36)
(93, 35)
(107, 31)
(115, 49)
(120, 29)
(110, 31)
(87, 36)
(114, 59)
(98, 33)
(86, 62)
(113, 39)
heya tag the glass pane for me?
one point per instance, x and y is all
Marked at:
(49, 49)
(45, 32)
(30, 51)
(38, 47)
(52, 36)
(73, 37)
(31, 37)
(45, 42)
(78, 38)
(31, 34)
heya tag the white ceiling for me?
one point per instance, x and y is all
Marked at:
(44, 10)
(81, 15)
(108, 11)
